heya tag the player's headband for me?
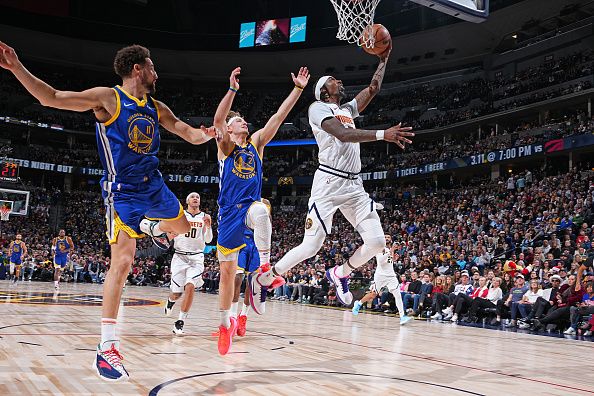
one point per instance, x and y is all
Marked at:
(320, 85)
(190, 195)
(233, 119)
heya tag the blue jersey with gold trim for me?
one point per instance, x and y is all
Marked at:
(128, 143)
(240, 176)
(62, 247)
(16, 251)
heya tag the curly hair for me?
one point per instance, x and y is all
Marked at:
(127, 57)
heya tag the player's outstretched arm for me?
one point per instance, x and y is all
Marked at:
(48, 96)
(207, 229)
(176, 126)
(262, 137)
(364, 97)
(396, 134)
(224, 142)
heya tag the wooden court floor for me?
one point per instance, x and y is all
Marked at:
(47, 346)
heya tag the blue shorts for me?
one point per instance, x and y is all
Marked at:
(126, 204)
(231, 222)
(60, 261)
(249, 258)
(16, 260)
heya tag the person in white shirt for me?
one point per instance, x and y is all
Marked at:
(187, 264)
(384, 277)
(529, 298)
(480, 304)
(337, 185)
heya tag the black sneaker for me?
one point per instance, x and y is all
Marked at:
(178, 327)
(169, 307)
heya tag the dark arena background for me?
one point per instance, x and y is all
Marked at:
(489, 210)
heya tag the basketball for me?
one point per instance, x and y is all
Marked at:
(382, 39)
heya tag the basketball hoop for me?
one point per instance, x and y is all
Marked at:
(4, 213)
(354, 17)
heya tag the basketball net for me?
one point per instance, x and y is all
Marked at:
(354, 18)
(4, 213)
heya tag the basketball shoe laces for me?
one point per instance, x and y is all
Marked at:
(113, 357)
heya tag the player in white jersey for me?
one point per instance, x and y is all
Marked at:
(384, 277)
(337, 185)
(187, 264)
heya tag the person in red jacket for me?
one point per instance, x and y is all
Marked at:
(463, 301)
(570, 297)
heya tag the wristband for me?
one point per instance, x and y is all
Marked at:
(379, 135)
(233, 89)
(299, 88)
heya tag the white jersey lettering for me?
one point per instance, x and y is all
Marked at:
(192, 241)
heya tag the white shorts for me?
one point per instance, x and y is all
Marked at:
(186, 269)
(331, 193)
(382, 281)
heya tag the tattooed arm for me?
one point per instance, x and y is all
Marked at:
(364, 97)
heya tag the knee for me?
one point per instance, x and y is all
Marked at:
(376, 243)
(175, 296)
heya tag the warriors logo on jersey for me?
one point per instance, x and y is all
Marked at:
(244, 164)
(141, 132)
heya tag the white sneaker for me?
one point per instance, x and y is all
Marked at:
(178, 327)
(569, 331)
(342, 286)
(108, 363)
(436, 316)
(447, 311)
(448, 316)
(455, 318)
(587, 333)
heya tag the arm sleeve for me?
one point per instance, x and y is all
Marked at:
(318, 112)
(208, 235)
(352, 105)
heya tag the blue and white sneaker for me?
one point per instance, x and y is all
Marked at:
(161, 240)
(405, 319)
(342, 286)
(108, 363)
(356, 307)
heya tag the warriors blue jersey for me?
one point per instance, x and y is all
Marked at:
(62, 247)
(241, 176)
(133, 187)
(240, 186)
(16, 253)
(128, 142)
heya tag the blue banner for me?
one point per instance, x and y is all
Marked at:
(298, 28)
(247, 34)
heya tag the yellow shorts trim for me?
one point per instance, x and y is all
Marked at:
(15, 264)
(179, 215)
(119, 225)
(227, 251)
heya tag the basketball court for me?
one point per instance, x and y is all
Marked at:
(47, 345)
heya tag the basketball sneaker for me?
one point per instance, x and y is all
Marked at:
(258, 290)
(169, 307)
(356, 307)
(108, 363)
(405, 319)
(241, 324)
(161, 241)
(342, 286)
(226, 336)
(178, 327)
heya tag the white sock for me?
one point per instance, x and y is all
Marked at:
(145, 226)
(245, 309)
(399, 304)
(225, 317)
(182, 315)
(108, 330)
(343, 270)
(264, 256)
(234, 307)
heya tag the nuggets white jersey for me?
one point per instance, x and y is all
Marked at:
(334, 153)
(192, 241)
(385, 264)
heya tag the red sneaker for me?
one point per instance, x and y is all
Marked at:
(226, 337)
(241, 322)
(278, 281)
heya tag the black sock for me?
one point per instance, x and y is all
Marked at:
(170, 304)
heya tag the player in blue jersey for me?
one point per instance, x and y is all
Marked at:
(62, 245)
(17, 250)
(240, 168)
(128, 120)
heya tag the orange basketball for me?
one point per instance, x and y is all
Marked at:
(383, 40)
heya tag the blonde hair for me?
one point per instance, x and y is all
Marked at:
(232, 114)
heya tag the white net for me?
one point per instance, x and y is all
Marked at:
(4, 214)
(354, 18)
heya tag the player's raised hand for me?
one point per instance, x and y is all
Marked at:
(398, 134)
(8, 57)
(207, 221)
(302, 77)
(234, 79)
(210, 131)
